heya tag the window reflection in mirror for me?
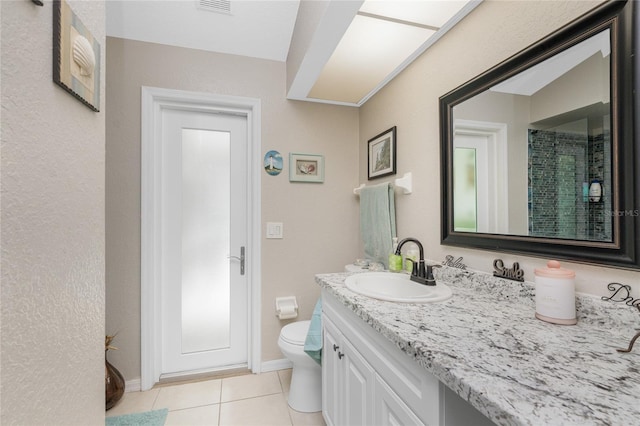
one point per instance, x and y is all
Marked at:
(528, 150)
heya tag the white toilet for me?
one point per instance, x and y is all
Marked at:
(305, 394)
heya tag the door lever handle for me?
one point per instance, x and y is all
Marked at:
(240, 258)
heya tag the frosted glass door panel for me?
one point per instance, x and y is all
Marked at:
(205, 240)
(475, 186)
(464, 190)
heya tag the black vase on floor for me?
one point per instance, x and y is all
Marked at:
(114, 384)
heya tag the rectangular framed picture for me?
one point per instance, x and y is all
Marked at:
(76, 56)
(306, 168)
(382, 154)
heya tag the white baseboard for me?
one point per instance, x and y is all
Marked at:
(276, 364)
(132, 385)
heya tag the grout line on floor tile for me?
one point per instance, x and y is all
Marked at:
(253, 397)
(280, 381)
(219, 391)
(153, 404)
(195, 406)
(289, 413)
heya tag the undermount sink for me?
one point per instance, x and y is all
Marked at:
(396, 287)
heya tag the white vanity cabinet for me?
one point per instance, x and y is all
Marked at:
(368, 381)
(349, 381)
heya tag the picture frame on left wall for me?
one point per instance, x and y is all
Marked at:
(76, 56)
(306, 168)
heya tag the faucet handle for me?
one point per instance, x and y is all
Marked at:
(414, 268)
(430, 279)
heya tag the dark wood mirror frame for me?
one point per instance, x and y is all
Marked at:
(623, 19)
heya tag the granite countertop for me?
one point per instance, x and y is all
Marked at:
(486, 345)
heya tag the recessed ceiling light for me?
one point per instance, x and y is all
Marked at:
(369, 51)
(382, 39)
(434, 13)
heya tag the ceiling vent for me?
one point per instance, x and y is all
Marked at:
(219, 6)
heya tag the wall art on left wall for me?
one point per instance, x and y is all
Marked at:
(306, 168)
(273, 163)
(76, 56)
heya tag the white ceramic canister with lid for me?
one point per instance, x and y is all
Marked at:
(556, 294)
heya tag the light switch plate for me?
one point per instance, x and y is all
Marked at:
(274, 229)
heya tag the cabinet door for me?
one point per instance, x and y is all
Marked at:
(358, 387)
(390, 409)
(330, 373)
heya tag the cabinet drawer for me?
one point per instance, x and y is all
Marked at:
(390, 409)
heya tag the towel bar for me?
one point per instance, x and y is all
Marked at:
(405, 182)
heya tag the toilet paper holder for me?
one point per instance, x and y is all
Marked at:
(286, 307)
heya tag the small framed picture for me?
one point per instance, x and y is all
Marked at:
(306, 168)
(382, 154)
(76, 56)
(273, 163)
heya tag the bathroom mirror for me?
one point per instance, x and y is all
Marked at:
(539, 155)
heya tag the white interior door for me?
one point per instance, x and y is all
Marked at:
(471, 187)
(204, 288)
(487, 195)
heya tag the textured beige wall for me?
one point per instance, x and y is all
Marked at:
(491, 33)
(52, 224)
(320, 220)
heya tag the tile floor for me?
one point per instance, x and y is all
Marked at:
(249, 400)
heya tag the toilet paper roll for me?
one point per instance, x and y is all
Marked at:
(286, 307)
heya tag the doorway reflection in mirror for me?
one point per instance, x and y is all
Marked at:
(532, 144)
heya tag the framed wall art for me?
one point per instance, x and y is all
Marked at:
(273, 163)
(306, 168)
(382, 154)
(76, 56)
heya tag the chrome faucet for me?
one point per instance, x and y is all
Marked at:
(420, 273)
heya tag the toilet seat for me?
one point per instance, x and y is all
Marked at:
(295, 333)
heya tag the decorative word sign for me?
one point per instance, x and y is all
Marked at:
(513, 273)
(622, 293)
(454, 263)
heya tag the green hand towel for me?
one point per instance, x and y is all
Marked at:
(377, 221)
